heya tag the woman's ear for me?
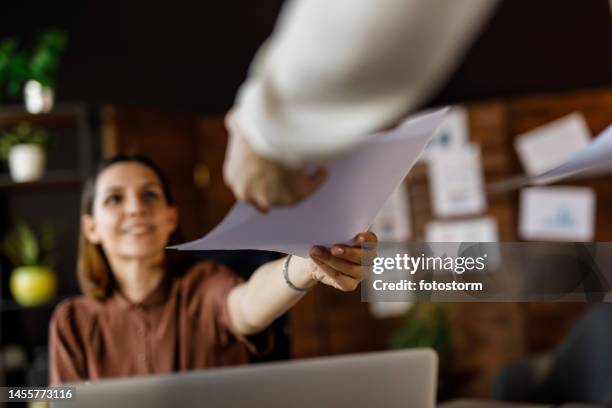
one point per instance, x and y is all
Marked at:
(88, 228)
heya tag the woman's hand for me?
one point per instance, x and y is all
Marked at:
(256, 303)
(344, 266)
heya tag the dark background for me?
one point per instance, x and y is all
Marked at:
(191, 56)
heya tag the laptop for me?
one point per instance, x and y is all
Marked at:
(405, 378)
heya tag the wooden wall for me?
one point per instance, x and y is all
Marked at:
(485, 336)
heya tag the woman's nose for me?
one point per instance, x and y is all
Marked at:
(134, 205)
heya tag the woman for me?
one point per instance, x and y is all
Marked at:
(139, 316)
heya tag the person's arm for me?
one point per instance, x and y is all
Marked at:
(255, 304)
(332, 73)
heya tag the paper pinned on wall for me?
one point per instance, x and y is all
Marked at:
(452, 133)
(482, 229)
(592, 160)
(392, 224)
(456, 181)
(358, 185)
(557, 214)
(547, 146)
(451, 234)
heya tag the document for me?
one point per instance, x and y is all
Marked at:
(359, 184)
(594, 159)
(545, 147)
(473, 230)
(557, 214)
(456, 181)
(453, 132)
(451, 235)
(393, 224)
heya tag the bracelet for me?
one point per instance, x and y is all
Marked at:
(286, 276)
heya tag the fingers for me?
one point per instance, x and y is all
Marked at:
(262, 208)
(367, 236)
(356, 255)
(311, 183)
(344, 267)
(329, 276)
(354, 270)
(362, 254)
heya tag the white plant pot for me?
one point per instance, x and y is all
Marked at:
(38, 98)
(26, 162)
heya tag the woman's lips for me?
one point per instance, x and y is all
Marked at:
(139, 229)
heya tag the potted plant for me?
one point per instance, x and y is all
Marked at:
(43, 66)
(32, 281)
(24, 148)
(34, 73)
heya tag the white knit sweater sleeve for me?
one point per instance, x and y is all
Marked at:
(335, 70)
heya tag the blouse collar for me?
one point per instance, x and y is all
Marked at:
(156, 297)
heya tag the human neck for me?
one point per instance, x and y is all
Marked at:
(137, 277)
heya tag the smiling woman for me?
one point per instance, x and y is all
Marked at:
(134, 218)
(142, 315)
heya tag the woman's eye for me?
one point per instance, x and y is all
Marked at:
(150, 195)
(113, 199)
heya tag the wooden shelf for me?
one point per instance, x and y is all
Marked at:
(9, 306)
(52, 179)
(61, 115)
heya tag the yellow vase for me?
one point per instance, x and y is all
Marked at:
(32, 285)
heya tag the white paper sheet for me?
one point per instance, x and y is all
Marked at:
(453, 132)
(594, 159)
(544, 148)
(451, 234)
(393, 223)
(482, 229)
(557, 214)
(456, 181)
(358, 185)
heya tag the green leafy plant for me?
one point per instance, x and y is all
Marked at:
(23, 248)
(13, 67)
(23, 133)
(18, 66)
(426, 325)
(45, 60)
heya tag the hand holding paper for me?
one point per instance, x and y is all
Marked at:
(343, 266)
(260, 181)
(358, 185)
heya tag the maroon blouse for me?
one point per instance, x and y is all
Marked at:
(183, 324)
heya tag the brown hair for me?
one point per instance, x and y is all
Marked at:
(93, 269)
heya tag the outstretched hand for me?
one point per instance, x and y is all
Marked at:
(343, 266)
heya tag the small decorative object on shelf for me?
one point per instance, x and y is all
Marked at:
(38, 97)
(35, 74)
(32, 281)
(24, 148)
